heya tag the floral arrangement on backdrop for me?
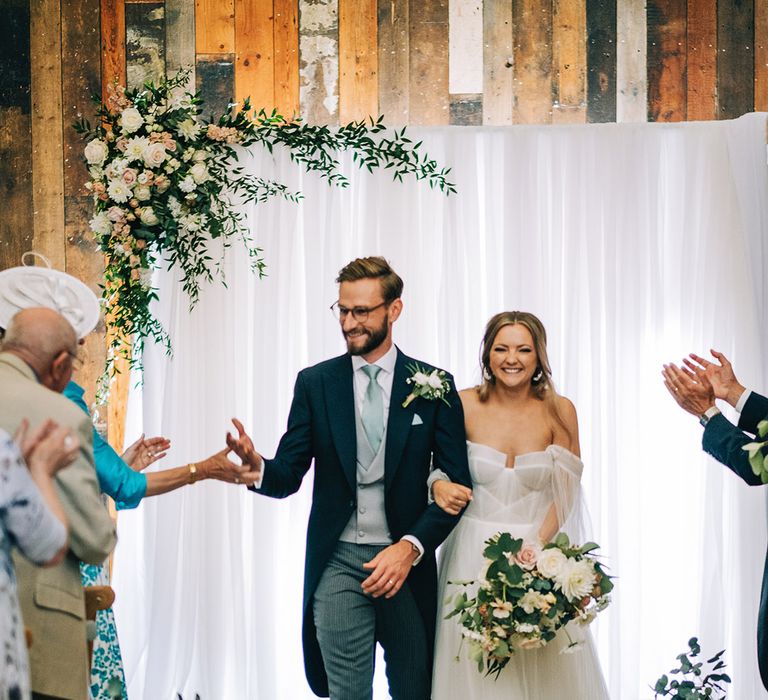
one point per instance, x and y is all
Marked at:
(525, 594)
(165, 182)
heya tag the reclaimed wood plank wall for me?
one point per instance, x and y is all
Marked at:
(464, 62)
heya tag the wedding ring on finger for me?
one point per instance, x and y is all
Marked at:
(237, 479)
(68, 442)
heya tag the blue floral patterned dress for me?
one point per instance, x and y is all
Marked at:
(127, 488)
(26, 523)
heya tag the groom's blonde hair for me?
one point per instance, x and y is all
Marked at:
(374, 267)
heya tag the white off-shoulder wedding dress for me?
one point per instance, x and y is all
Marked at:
(514, 500)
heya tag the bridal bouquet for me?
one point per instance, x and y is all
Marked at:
(526, 593)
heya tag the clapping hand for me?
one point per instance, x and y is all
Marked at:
(693, 392)
(145, 451)
(720, 376)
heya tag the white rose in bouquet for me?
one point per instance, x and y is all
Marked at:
(148, 216)
(155, 155)
(131, 120)
(551, 562)
(142, 193)
(96, 152)
(199, 172)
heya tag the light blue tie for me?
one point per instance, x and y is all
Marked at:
(373, 408)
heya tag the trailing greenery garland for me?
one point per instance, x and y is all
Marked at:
(165, 183)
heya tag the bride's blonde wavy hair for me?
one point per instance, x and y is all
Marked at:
(542, 385)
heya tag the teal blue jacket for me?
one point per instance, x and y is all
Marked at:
(116, 478)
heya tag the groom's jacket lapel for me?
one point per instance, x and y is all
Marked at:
(399, 422)
(340, 404)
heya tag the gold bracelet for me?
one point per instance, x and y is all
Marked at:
(192, 472)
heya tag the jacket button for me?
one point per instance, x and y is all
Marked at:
(351, 504)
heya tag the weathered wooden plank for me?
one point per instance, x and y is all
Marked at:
(254, 53)
(215, 75)
(533, 61)
(286, 69)
(736, 57)
(428, 62)
(569, 40)
(498, 62)
(16, 224)
(113, 61)
(358, 60)
(81, 78)
(465, 47)
(761, 55)
(667, 93)
(702, 60)
(180, 38)
(145, 42)
(631, 62)
(214, 26)
(394, 61)
(47, 132)
(319, 61)
(601, 61)
(467, 109)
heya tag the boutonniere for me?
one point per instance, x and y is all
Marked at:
(757, 460)
(427, 385)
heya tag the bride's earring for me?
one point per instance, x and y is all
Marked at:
(487, 375)
(537, 377)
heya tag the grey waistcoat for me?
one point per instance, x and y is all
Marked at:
(368, 524)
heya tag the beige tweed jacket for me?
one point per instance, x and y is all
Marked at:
(51, 599)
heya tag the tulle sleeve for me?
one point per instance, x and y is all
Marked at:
(567, 495)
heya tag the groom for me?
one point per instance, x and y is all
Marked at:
(370, 573)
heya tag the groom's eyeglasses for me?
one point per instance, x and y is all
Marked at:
(359, 313)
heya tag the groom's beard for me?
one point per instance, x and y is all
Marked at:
(373, 338)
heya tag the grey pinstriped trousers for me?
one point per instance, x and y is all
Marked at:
(349, 623)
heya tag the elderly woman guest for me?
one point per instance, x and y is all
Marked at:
(31, 519)
(119, 477)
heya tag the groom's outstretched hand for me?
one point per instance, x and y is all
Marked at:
(391, 567)
(242, 446)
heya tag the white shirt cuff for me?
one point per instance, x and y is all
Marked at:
(259, 481)
(742, 400)
(415, 542)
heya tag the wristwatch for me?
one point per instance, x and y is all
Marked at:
(707, 416)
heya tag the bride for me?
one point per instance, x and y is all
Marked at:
(523, 444)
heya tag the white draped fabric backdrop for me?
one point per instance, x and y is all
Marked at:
(635, 244)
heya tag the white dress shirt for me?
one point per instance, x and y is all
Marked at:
(384, 378)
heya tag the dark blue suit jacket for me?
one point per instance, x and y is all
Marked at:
(321, 427)
(724, 441)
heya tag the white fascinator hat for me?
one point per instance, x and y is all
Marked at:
(28, 286)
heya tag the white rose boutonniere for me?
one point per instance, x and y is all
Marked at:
(427, 385)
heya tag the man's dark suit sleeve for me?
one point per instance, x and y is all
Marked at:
(724, 441)
(283, 474)
(450, 455)
(755, 410)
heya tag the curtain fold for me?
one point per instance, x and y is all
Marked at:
(634, 243)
